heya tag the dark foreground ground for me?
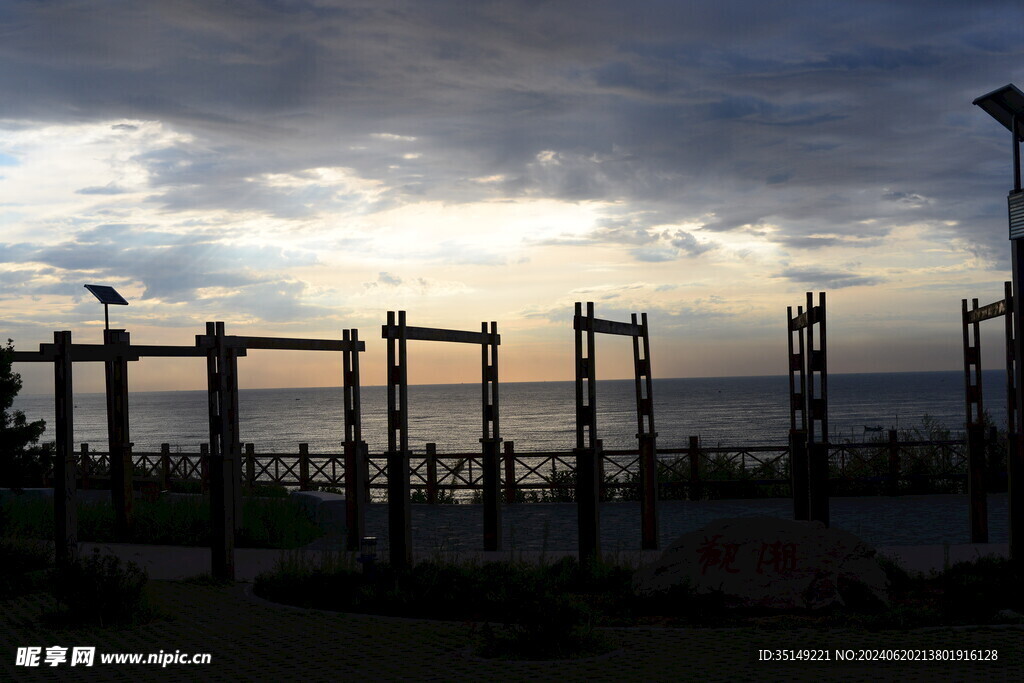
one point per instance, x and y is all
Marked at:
(249, 639)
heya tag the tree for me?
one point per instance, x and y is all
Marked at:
(22, 459)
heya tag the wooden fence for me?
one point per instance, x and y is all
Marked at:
(694, 472)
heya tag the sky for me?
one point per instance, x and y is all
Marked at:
(298, 168)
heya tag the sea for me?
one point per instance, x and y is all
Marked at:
(540, 416)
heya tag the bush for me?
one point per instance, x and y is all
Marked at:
(267, 522)
(22, 565)
(100, 590)
(23, 462)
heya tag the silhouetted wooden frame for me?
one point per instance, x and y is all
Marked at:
(397, 333)
(971, 319)
(589, 471)
(221, 352)
(808, 413)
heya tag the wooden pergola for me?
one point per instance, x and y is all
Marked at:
(589, 454)
(221, 352)
(397, 333)
(808, 410)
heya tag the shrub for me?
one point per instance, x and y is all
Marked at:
(100, 590)
(22, 565)
(23, 462)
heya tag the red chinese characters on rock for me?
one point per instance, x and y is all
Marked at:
(720, 556)
(777, 557)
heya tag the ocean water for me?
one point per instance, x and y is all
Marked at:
(538, 416)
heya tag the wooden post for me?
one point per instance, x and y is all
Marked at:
(646, 434)
(649, 492)
(356, 451)
(165, 466)
(356, 473)
(490, 439)
(65, 528)
(399, 510)
(799, 474)
(510, 472)
(1014, 454)
(974, 402)
(817, 412)
(976, 483)
(204, 468)
(693, 454)
(798, 464)
(492, 493)
(250, 466)
(304, 484)
(86, 466)
(894, 463)
(121, 469)
(432, 473)
(224, 451)
(588, 450)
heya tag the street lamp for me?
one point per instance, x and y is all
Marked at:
(1006, 105)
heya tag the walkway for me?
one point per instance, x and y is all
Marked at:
(252, 640)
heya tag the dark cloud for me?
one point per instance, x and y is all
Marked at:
(825, 279)
(812, 117)
(172, 268)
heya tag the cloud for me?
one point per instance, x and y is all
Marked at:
(171, 268)
(108, 189)
(660, 108)
(826, 279)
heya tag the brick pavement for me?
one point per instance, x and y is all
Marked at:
(254, 640)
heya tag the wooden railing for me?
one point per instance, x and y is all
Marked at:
(694, 472)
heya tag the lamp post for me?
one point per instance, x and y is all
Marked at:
(1006, 105)
(106, 295)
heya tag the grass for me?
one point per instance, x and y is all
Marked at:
(267, 522)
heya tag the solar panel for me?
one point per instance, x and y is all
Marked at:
(1002, 104)
(107, 295)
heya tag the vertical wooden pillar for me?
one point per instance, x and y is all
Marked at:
(224, 451)
(86, 466)
(399, 510)
(646, 435)
(304, 483)
(587, 452)
(1014, 400)
(978, 508)
(355, 493)
(432, 473)
(894, 463)
(974, 403)
(696, 490)
(798, 466)
(165, 466)
(356, 452)
(510, 472)
(250, 467)
(817, 412)
(491, 436)
(204, 468)
(65, 528)
(118, 438)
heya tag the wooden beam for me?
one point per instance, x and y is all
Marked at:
(171, 351)
(437, 334)
(581, 322)
(280, 343)
(993, 310)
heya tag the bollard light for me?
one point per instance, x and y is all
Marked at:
(368, 553)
